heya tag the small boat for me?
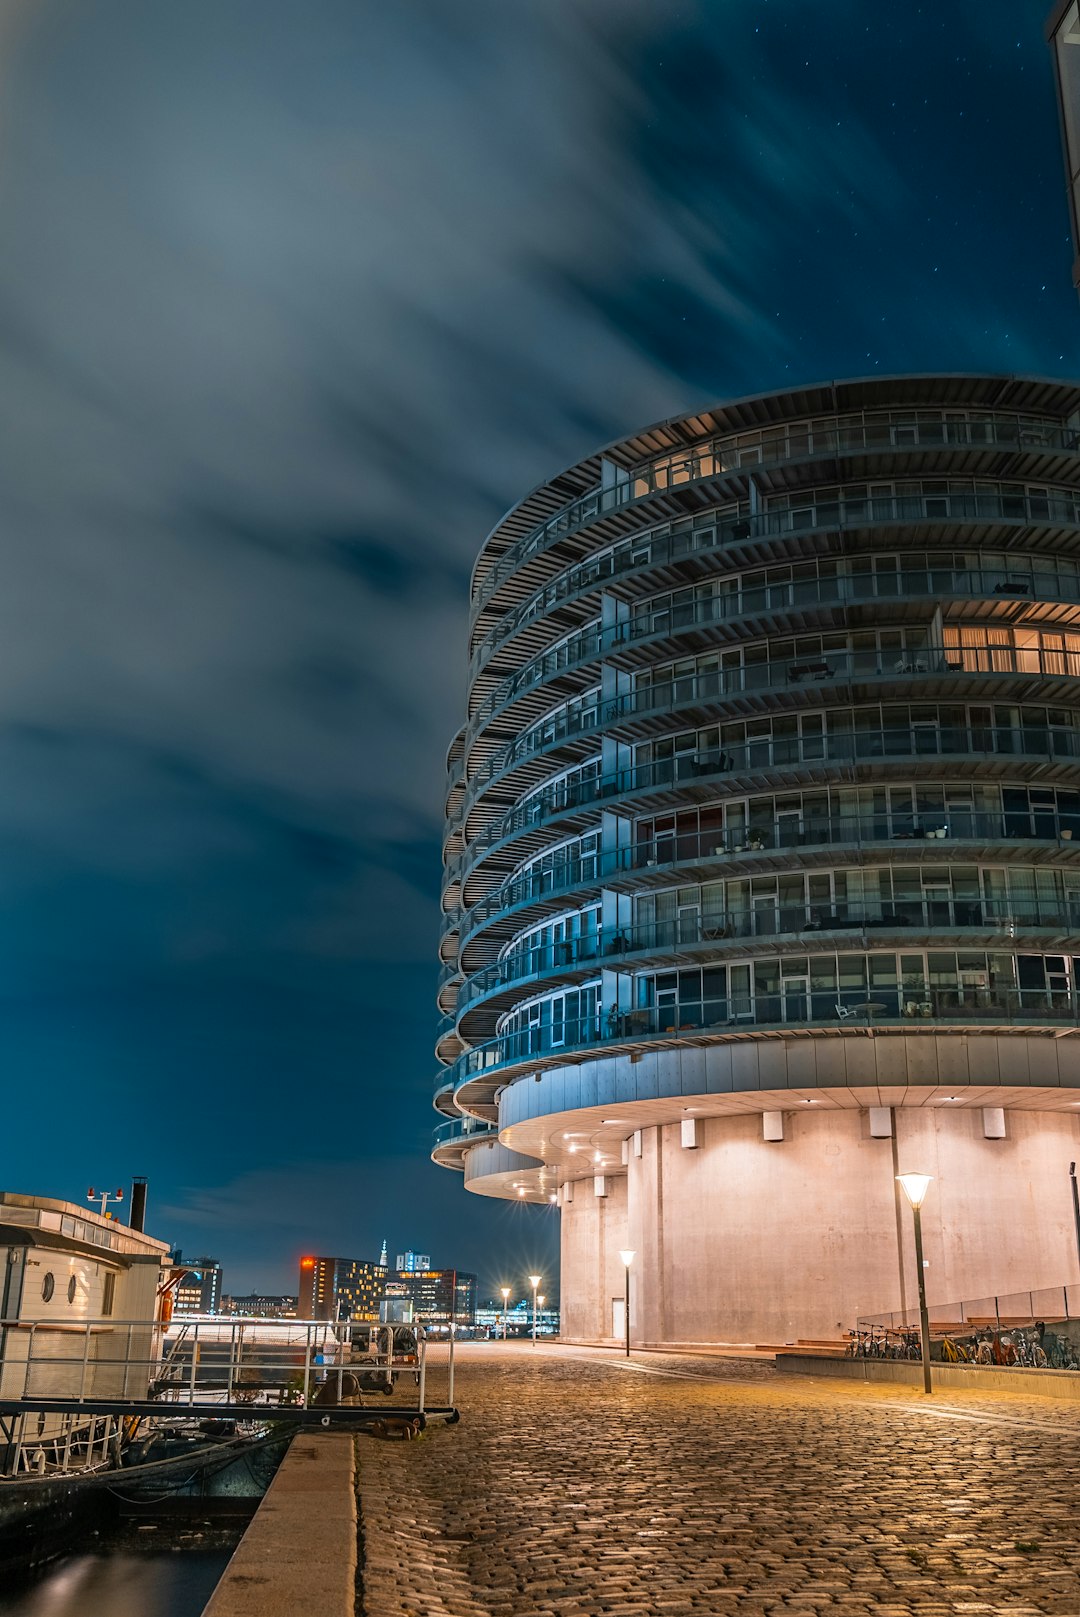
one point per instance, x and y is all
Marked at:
(85, 1310)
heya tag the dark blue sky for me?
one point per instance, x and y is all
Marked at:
(294, 300)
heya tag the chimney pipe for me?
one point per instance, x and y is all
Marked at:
(137, 1217)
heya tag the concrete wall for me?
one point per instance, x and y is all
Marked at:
(594, 1230)
(740, 1240)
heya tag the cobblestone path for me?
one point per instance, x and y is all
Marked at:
(578, 1488)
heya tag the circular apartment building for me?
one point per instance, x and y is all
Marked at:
(762, 864)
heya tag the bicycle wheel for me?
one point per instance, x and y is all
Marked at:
(1038, 1358)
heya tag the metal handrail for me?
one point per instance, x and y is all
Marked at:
(569, 796)
(663, 544)
(206, 1356)
(727, 1016)
(774, 835)
(722, 929)
(589, 716)
(912, 581)
(463, 1128)
(732, 452)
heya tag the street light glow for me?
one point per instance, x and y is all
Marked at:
(534, 1281)
(915, 1186)
(627, 1258)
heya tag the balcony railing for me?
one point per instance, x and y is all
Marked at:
(904, 1008)
(464, 1130)
(805, 440)
(811, 669)
(1005, 918)
(794, 831)
(1044, 742)
(659, 547)
(912, 580)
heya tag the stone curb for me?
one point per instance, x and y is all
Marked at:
(299, 1552)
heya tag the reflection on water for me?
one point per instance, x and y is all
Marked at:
(119, 1585)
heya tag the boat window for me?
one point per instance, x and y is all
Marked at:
(107, 1295)
(48, 1286)
(71, 1289)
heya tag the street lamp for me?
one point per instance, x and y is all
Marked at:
(627, 1258)
(915, 1186)
(506, 1304)
(534, 1281)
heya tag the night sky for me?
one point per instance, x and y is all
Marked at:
(295, 299)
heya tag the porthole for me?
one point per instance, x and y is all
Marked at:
(48, 1286)
(71, 1289)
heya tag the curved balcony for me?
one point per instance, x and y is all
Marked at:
(804, 441)
(914, 580)
(771, 925)
(783, 760)
(906, 1009)
(940, 672)
(976, 834)
(454, 1139)
(448, 1042)
(656, 549)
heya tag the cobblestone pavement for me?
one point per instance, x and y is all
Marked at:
(577, 1487)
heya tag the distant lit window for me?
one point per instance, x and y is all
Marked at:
(48, 1286)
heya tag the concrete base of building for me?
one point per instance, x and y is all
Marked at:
(299, 1551)
(741, 1239)
(945, 1377)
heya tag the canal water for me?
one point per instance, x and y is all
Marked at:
(167, 1570)
(120, 1584)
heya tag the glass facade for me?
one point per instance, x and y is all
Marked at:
(776, 727)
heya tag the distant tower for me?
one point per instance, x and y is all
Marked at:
(382, 1254)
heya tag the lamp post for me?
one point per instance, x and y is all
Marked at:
(534, 1281)
(915, 1186)
(627, 1258)
(506, 1304)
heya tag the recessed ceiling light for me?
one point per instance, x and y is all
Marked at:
(521, 1190)
(571, 1148)
(950, 1097)
(599, 1157)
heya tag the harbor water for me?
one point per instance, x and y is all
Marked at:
(120, 1584)
(168, 1567)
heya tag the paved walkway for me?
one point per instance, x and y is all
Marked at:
(577, 1487)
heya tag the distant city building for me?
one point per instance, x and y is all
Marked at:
(199, 1292)
(435, 1296)
(518, 1319)
(410, 1262)
(256, 1305)
(340, 1288)
(383, 1259)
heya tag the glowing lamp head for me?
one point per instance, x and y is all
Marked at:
(627, 1258)
(534, 1281)
(915, 1186)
